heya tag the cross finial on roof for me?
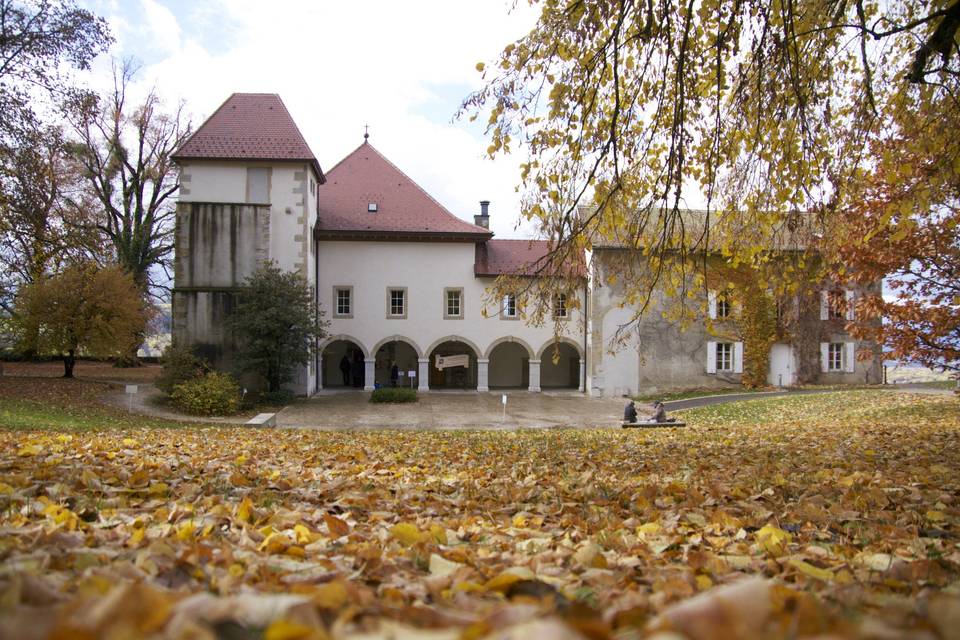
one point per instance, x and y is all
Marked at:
(366, 133)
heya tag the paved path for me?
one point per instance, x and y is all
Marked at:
(438, 410)
(351, 410)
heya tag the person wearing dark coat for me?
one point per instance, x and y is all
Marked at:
(345, 370)
(394, 374)
(660, 413)
(630, 412)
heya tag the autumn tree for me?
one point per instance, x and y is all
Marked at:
(124, 153)
(84, 310)
(38, 231)
(905, 225)
(40, 40)
(276, 325)
(751, 110)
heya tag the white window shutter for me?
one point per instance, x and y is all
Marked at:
(824, 305)
(851, 357)
(850, 300)
(738, 357)
(711, 357)
(712, 304)
(824, 357)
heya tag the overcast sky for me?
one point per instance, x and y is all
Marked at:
(401, 67)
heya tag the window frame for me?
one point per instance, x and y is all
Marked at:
(839, 356)
(560, 304)
(723, 302)
(504, 306)
(337, 288)
(725, 348)
(836, 304)
(406, 303)
(446, 303)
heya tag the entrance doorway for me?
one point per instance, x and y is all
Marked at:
(453, 377)
(398, 353)
(564, 373)
(341, 365)
(782, 365)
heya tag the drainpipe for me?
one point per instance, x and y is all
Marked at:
(586, 286)
(316, 310)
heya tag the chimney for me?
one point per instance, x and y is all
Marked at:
(483, 220)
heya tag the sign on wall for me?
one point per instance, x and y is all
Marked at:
(446, 362)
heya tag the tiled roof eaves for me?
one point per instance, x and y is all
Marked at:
(399, 236)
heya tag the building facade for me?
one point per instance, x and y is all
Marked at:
(404, 284)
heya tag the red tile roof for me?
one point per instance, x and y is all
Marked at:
(249, 126)
(518, 258)
(404, 209)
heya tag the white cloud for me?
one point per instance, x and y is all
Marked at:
(162, 26)
(338, 66)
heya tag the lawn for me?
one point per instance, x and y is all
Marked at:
(65, 405)
(781, 517)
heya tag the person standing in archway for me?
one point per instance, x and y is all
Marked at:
(345, 370)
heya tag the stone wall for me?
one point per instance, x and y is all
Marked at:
(217, 247)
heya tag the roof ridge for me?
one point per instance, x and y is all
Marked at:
(443, 209)
(296, 127)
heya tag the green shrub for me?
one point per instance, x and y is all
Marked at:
(179, 365)
(394, 394)
(215, 394)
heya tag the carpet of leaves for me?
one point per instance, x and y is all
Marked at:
(830, 516)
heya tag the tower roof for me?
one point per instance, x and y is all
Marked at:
(249, 126)
(366, 195)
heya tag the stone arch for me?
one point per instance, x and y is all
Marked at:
(455, 377)
(395, 352)
(499, 341)
(567, 371)
(346, 338)
(563, 340)
(390, 339)
(436, 343)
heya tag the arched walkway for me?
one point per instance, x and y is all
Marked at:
(560, 365)
(509, 366)
(453, 377)
(341, 363)
(395, 351)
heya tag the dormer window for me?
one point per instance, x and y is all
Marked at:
(372, 207)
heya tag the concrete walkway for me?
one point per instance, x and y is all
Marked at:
(351, 410)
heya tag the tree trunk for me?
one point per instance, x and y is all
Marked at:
(69, 361)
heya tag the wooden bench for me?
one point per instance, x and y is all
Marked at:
(651, 425)
(263, 420)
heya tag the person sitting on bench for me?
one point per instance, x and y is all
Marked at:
(630, 412)
(660, 413)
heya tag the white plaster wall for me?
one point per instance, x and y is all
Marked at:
(617, 373)
(425, 269)
(213, 182)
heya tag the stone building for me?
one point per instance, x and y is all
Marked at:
(404, 282)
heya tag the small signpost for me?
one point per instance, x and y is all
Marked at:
(131, 391)
(412, 376)
(503, 401)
